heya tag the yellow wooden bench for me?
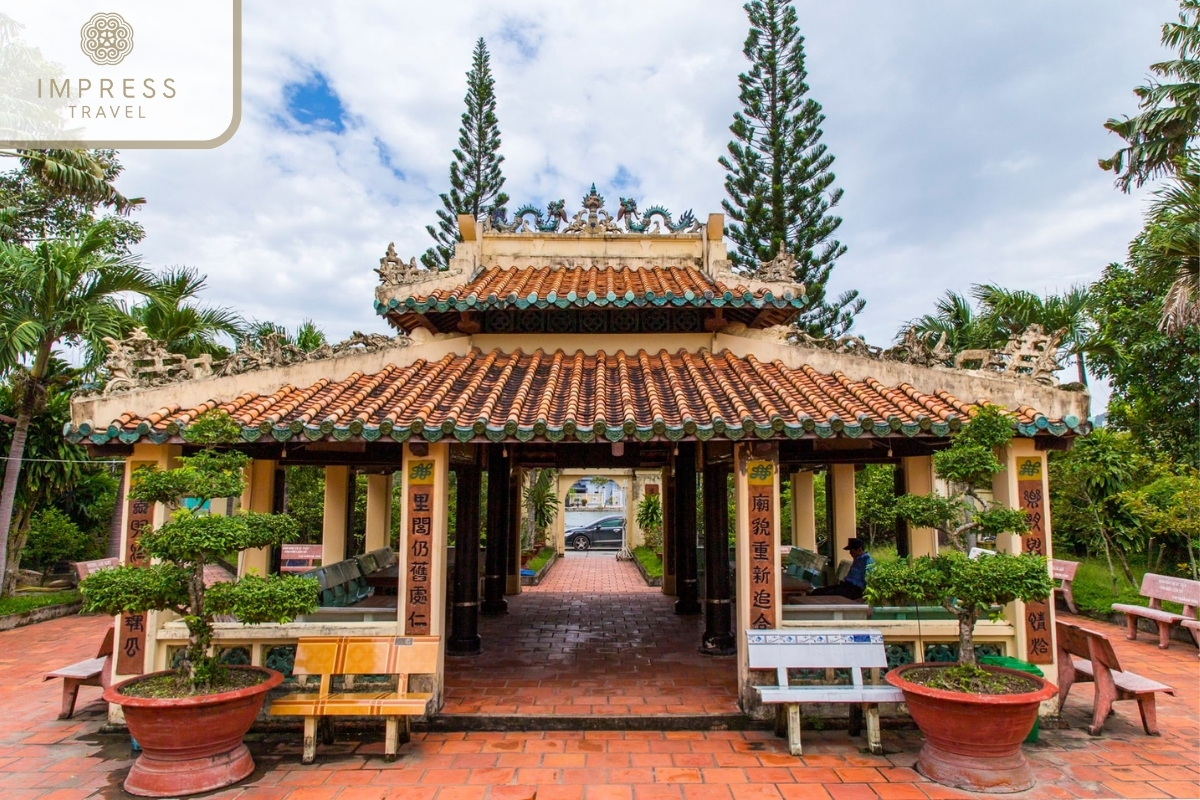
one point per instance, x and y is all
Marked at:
(327, 656)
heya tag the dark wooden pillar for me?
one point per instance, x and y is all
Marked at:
(464, 619)
(496, 567)
(351, 495)
(687, 587)
(670, 546)
(899, 487)
(718, 602)
(512, 583)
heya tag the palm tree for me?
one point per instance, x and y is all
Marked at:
(1170, 245)
(56, 291)
(308, 337)
(1065, 315)
(78, 173)
(956, 320)
(185, 327)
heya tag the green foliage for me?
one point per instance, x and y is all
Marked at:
(955, 325)
(1169, 121)
(929, 510)
(306, 502)
(649, 560)
(541, 501)
(169, 314)
(967, 587)
(54, 539)
(875, 501)
(1168, 509)
(476, 181)
(28, 602)
(539, 558)
(650, 520)
(189, 540)
(307, 337)
(778, 174)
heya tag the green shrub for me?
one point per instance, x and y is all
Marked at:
(54, 539)
(650, 520)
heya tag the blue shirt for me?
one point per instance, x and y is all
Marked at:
(858, 570)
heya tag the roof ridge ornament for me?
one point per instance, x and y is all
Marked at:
(780, 269)
(593, 219)
(395, 271)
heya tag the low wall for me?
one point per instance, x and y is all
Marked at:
(10, 621)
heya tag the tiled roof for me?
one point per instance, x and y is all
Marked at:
(573, 396)
(546, 287)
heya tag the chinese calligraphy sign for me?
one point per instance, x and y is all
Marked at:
(760, 479)
(131, 631)
(419, 548)
(1039, 646)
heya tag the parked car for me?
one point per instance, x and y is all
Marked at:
(606, 533)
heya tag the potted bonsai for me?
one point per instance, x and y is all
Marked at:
(190, 721)
(974, 719)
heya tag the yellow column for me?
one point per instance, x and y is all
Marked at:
(1024, 484)
(742, 454)
(804, 515)
(259, 496)
(144, 455)
(844, 522)
(379, 511)
(333, 526)
(439, 456)
(918, 479)
(558, 531)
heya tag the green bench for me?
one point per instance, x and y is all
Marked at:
(342, 583)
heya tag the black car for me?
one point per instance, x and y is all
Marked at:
(606, 533)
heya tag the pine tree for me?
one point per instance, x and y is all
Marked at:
(779, 180)
(475, 177)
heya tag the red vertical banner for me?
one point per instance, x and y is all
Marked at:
(760, 481)
(418, 547)
(131, 633)
(1039, 646)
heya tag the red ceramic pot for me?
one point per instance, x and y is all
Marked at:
(191, 744)
(973, 741)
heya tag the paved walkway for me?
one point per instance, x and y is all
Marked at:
(593, 639)
(44, 759)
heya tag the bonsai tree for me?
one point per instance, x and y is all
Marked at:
(650, 519)
(188, 541)
(966, 587)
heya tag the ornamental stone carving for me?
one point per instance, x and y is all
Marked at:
(592, 219)
(1032, 354)
(780, 269)
(141, 361)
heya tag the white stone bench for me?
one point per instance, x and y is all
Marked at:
(830, 649)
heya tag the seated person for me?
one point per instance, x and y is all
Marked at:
(855, 582)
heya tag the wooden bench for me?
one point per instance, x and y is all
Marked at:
(93, 672)
(85, 568)
(1158, 588)
(1064, 573)
(853, 649)
(327, 656)
(1097, 662)
(299, 557)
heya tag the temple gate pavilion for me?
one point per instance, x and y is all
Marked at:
(588, 341)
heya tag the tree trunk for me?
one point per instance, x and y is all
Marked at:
(966, 640)
(8, 495)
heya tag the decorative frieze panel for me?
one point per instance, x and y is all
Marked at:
(592, 219)
(595, 320)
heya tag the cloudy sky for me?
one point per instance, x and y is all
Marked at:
(966, 137)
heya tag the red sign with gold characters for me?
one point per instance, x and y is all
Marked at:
(131, 633)
(419, 548)
(1039, 646)
(760, 480)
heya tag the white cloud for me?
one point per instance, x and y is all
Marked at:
(965, 136)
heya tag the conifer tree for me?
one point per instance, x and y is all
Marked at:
(475, 177)
(779, 181)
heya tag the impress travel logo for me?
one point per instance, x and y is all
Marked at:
(73, 77)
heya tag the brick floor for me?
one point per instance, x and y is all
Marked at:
(43, 758)
(592, 639)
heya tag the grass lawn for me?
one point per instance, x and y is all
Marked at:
(539, 560)
(28, 602)
(649, 561)
(1093, 587)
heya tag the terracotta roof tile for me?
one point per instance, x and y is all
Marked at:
(555, 396)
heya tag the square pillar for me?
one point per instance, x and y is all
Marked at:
(759, 605)
(843, 515)
(379, 512)
(333, 525)
(421, 602)
(135, 642)
(1024, 484)
(804, 512)
(259, 496)
(918, 479)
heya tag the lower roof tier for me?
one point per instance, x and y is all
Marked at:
(559, 396)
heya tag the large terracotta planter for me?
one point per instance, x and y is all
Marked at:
(194, 744)
(973, 741)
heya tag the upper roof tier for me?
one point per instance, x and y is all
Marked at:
(636, 273)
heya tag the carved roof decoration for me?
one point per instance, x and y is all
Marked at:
(140, 362)
(563, 396)
(593, 219)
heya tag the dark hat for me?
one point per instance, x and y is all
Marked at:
(855, 543)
